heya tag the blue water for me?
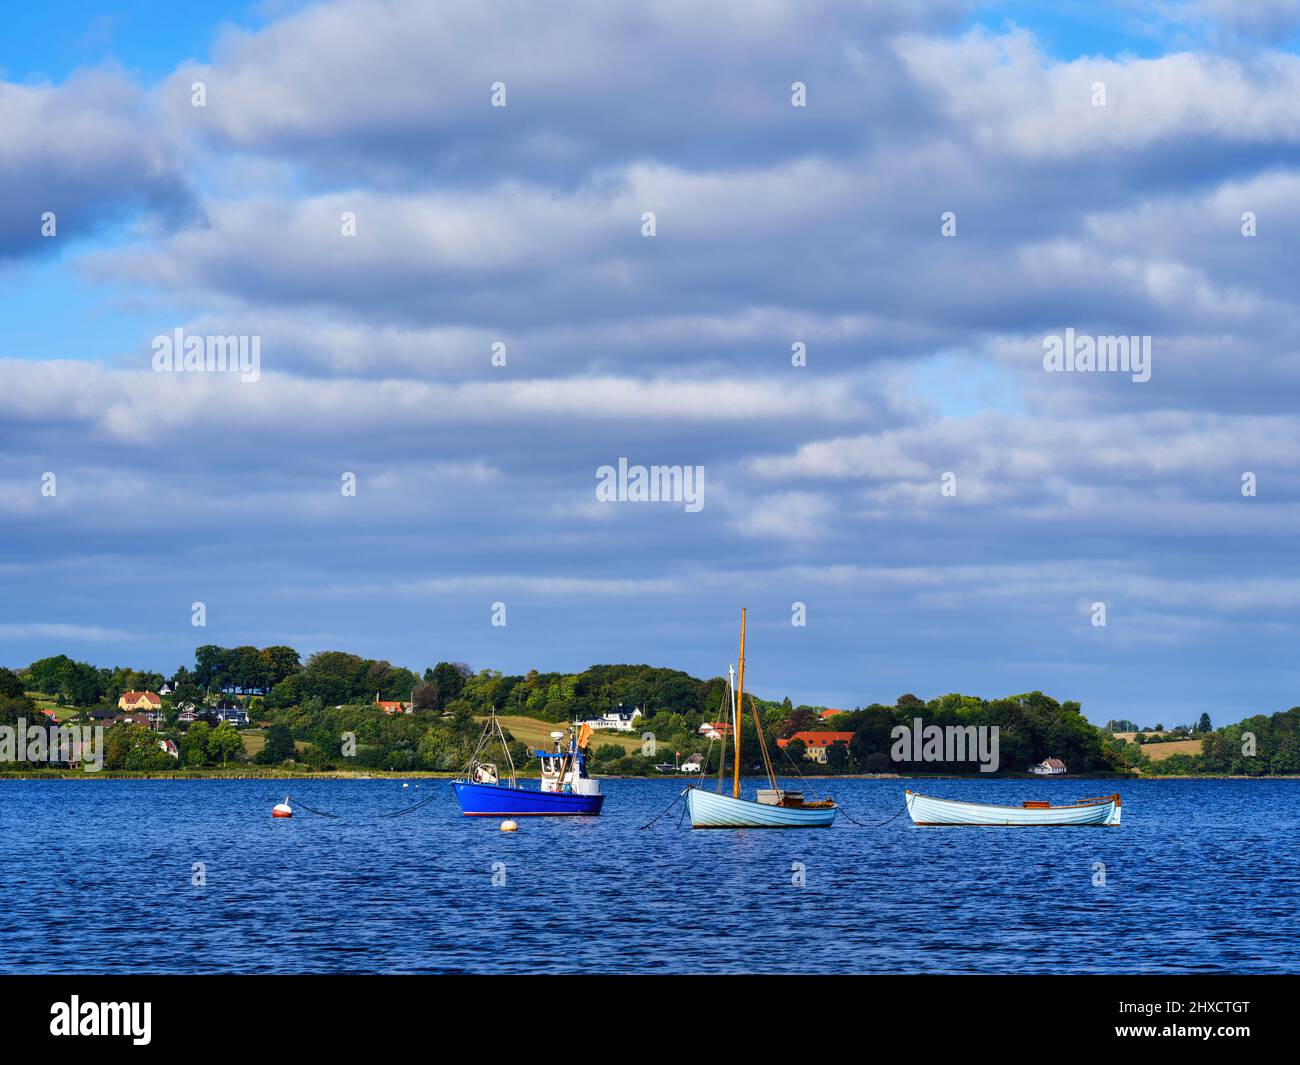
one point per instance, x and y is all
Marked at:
(96, 875)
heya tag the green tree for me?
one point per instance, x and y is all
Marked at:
(10, 685)
(134, 747)
(279, 746)
(194, 744)
(224, 744)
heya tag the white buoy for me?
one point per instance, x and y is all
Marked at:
(509, 826)
(282, 809)
(406, 785)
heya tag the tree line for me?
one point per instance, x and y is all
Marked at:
(313, 705)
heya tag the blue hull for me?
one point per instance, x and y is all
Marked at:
(494, 800)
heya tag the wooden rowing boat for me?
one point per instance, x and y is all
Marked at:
(927, 810)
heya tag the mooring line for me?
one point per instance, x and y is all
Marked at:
(861, 824)
(391, 813)
(665, 810)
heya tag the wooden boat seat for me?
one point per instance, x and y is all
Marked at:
(1031, 805)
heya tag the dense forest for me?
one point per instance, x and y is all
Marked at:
(321, 714)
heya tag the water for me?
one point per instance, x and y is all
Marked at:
(96, 876)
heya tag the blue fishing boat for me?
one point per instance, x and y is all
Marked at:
(776, 807)
(566, 789)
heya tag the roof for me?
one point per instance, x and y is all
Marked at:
(695, 758)
(148, 697)
(1055, 763)
(818, 739)
(830, 711)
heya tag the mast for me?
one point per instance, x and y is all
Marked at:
(739, 707)
(729, 702)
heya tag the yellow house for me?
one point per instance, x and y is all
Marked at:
(145, 701)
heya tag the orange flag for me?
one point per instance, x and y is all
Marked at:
(584, 734)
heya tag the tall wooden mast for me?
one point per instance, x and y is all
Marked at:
(740, 707)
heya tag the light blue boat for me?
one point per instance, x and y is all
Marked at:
(709, 809)
(775, 807)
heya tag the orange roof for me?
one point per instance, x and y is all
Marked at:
(818, 739)
(148, 697)
(830, 711)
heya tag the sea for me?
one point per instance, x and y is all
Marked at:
(195, 876)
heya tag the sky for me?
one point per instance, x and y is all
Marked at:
(942, 511)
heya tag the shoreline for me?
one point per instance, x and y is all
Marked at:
(428, 774)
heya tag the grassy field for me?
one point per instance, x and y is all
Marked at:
(537, 734)
(1158, 752)
(255, 740)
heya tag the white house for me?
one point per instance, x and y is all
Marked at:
(1048, 767)
(693, 764)
(619, 720)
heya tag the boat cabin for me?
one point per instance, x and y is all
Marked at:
(564, 769)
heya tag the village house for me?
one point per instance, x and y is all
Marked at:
(393, 707)
(143, 701)
(816, 744)
(1048, 767)
(619, 720)
(693, 763)
(829, 713)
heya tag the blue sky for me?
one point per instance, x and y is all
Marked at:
(775, 224)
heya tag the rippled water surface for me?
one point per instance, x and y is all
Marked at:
(1203, 876)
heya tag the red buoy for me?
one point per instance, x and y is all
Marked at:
(282, 809)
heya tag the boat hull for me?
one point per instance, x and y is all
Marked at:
(497, 800)
(710, 810)
(927, 810)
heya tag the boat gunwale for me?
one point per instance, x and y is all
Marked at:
(1111, 800)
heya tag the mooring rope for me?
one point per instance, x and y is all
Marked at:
(861, 824)
(311, 809)
(411, 809)
(391, 813)
(666, 809)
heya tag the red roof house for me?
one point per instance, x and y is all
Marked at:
(817, 743)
